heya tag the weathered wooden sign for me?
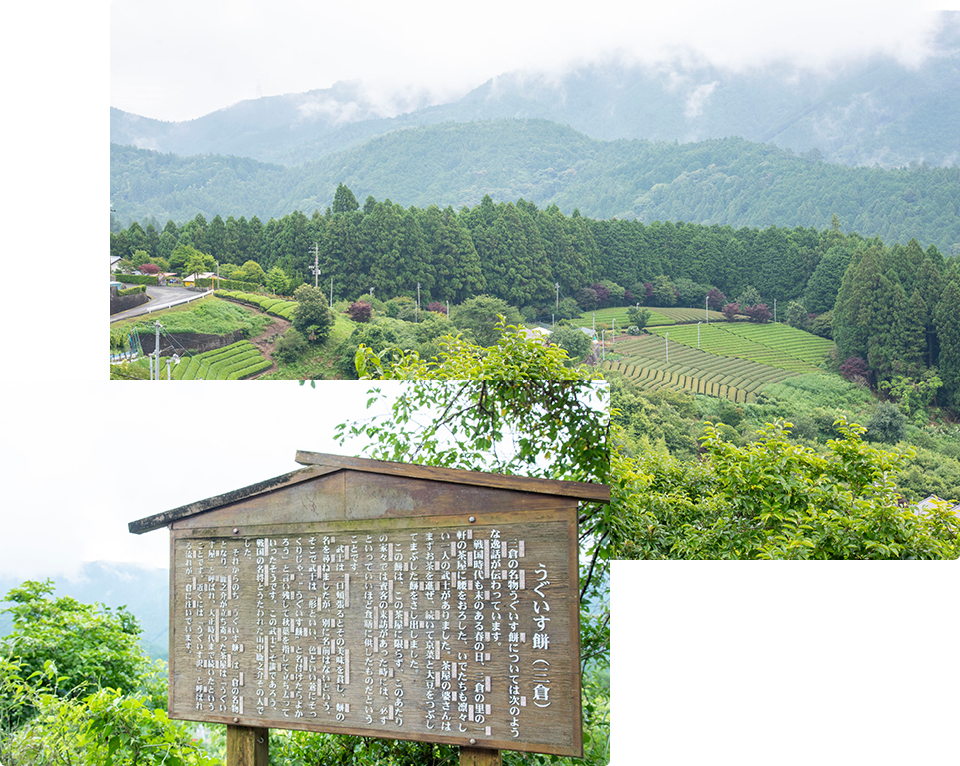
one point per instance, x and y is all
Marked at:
(382, 599)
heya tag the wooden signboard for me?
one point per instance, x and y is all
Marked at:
(382, 599)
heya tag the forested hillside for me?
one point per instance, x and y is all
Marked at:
(727, 182)
(515, 251)
(893, 307)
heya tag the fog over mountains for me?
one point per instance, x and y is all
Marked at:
(876, 111)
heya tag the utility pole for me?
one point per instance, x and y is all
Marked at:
(316, 266)
(156, 349)
(706, 308)
(557, 285)
(416, 315)
(331, 292)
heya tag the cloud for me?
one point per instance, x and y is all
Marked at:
(698, 98)
(163, 67)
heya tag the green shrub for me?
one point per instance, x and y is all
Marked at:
(886, 424)
(138, 279)
(90, 645)
(103, 728)
(290, 347)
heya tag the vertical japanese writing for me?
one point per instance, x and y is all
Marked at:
(451, 631)
(541, 639)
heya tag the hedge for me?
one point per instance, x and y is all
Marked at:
(226, 284)
(137, 279)
(269, 304)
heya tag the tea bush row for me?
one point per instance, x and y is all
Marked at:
(236, 361)
(274, 306)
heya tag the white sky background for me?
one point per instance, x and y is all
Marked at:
(87, 458)
(182, 59)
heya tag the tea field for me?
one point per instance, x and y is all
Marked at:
(234, 362)
(728, 360)
(616, 318)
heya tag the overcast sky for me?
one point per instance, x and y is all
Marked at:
(182, 59)
(79, 460)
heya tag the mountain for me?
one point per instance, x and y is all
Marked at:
(719, 181)
(144, 591)
(875, 111)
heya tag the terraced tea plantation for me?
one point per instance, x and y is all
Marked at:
(734, 361)
(658, 317)
(234, 362)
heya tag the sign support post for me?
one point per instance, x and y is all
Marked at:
(479, 756)
(247, 746)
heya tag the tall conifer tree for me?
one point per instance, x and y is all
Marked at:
(947, 321)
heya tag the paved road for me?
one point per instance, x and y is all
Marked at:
(160, 298)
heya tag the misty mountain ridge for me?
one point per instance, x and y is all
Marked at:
(874, 111)
(143, 590)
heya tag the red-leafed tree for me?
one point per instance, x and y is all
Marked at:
(730, 311)
(716, 299)
(360, 311)
(759, 312)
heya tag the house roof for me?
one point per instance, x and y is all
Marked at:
(932, 500)
(318, 464)
(535, 333)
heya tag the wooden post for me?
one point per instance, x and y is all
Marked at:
(247, 746)
(479, 756)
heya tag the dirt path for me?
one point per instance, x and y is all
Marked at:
(267, 341)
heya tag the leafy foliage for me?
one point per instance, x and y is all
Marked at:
(478, 316)
(312, 317)
(893, 309)
(89, 646)
(574, 341)
(75, 688)
(638, 317)
(290, 347)
(518, 384)
(886, 424)
(774, 499)
(105, 728)
(303, 749)
(360, 311)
